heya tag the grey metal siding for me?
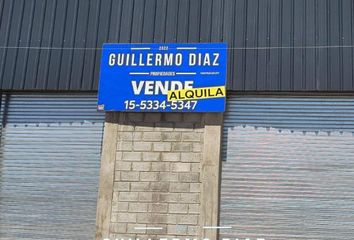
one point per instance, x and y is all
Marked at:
(49, 167)
(303, 114)
(276, 45)
(289, 168)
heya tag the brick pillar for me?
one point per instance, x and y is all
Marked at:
(155, 178)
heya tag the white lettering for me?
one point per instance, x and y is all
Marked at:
(120, 60)
(162, 59)
(159, 87)
(192, 59)
(137, 89)
(158, 58)
(112, 59)
(206, 60)
(203, 59)
(168, 59)
(149, 87)
(127, 59)
(149, 59)
(216, 58)
(176, 85)
(199, 59)
(188, 84)
(178, 59)
(141, 63)
(133, 61)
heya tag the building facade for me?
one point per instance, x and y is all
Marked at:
(278, 164)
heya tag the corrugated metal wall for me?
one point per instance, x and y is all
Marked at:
(289, 168)
(274, 33)
(302, 114)
(49, 167)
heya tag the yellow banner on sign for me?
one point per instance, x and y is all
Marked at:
(196, 93)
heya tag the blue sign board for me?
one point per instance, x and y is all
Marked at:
(163, 77)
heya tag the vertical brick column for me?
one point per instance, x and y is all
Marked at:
(156, 180)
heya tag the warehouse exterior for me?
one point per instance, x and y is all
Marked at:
(278, 164)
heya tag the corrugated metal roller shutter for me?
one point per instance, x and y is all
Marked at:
(49, 166)
(289, 168)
